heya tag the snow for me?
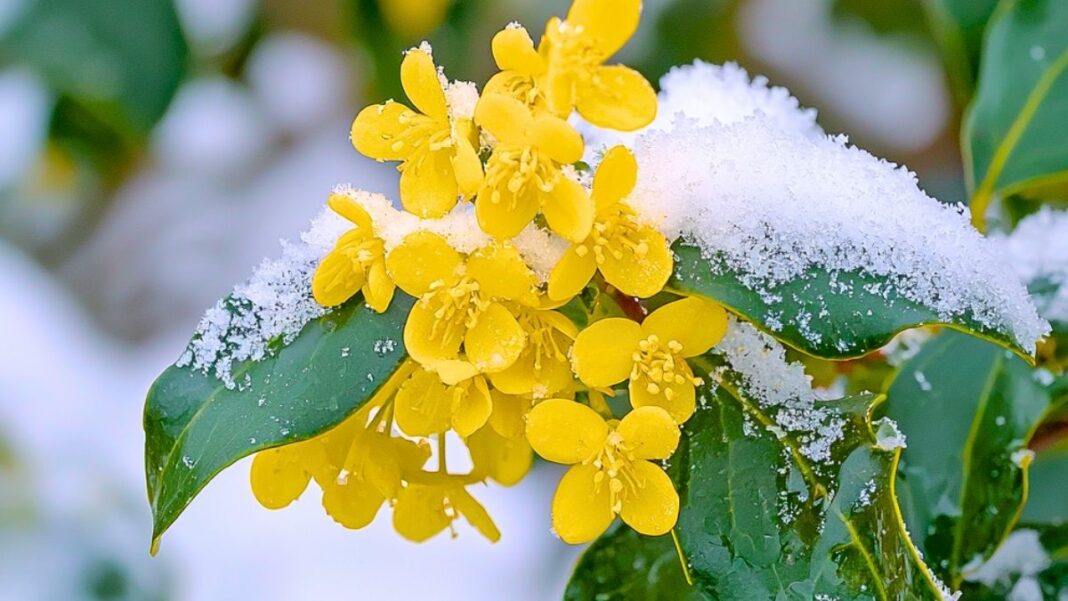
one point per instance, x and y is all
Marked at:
(776, 384)
(772, 204)
(275, 302)
(1021, 556)
(1038, 251)
(888, 437)
(706, 94)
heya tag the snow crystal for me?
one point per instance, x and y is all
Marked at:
(772, 204)
(539, 248)
(1038, 251)
(275, 302)
(461, 98)
(1022, 555)
(776, 384)
(888, 436)
(705, 94)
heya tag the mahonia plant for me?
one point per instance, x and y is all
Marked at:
(608, 278)
(492, 359)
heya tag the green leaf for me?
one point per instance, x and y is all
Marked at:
(624, 565)
(195, 426)
(968, 409)
(1013, 133)
(760, 519)
(836, 317)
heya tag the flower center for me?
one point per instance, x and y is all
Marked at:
(542, 339)
(456, 308)
(519, 170)
(572, 52)
(615, 469)
(615, 233)
(660, 366)
(364, 253)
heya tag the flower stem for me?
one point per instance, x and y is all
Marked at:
(442, 466)
(682, 557)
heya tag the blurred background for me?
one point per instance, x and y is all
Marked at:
(152, 151)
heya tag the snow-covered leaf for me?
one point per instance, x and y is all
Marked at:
(195, 425)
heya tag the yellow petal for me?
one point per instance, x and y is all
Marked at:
(556, 138)
(617, 97)
(421, 259)
(353, 505)
(502, 273)
(278, 476)
(420, 512)
(564, 431)
(474, 513)
(608, 23)
(506, 118)
(514, 50)
(467, 167)
(453, 371)
(604, 352)
(501, 213)
(694, 322)
(683, 399)
(427, 340)
(428, 184)
(471, 406)
(377, 131)
(509, 417)
(506, 460)
(347, 207)
(655, 508)
(582, 511)
(569, 210)
(571, 274)
(422, 405)
(378, 289)
(649, 433)
(419, 77)
(641, 275)
(372, 461)
(525, 376)
(615, 177)
(411, 456)
(338, 277)
(495, 341)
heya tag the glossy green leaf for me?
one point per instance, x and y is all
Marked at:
(761, 521)
(623, 565)
(1014, 135)
(833, 317)
(195, 426)
(968, 409)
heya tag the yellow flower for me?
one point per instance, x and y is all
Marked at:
(503, 458)
(611, 472)
(651, 355)
(524, 173)
(356, 263)
(438, 151)
(567, 71)
(542, 369)
(427, 405)
(461, 301)
(632, 256)
(372, 474)
(431, 505)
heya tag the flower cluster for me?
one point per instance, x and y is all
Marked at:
(507, 360)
